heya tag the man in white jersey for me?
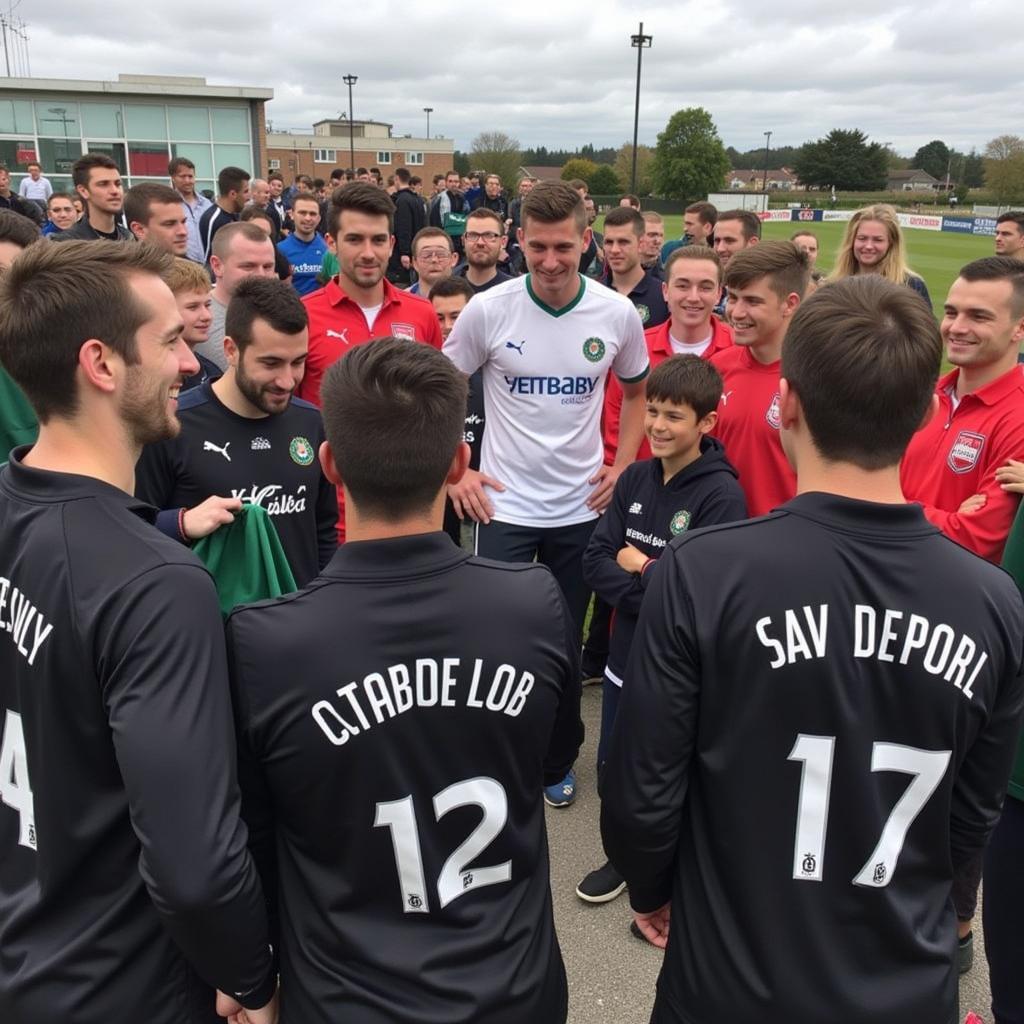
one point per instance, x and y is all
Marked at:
(546, 342)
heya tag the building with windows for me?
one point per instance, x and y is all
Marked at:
(141, 121)
(318, 152)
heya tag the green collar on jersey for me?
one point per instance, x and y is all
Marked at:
(551, 310)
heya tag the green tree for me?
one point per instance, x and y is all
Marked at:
(579, 167)
(624, 168)
(1004, 167)
(689, 159)
(972, 172)
(844, 159)
(460, 162)
(935, 158)
(497, 153)
(604, 181)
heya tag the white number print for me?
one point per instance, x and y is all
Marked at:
(455, 879)
(15, 789)
(816, 753)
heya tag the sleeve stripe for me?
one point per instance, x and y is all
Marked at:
(636, 379)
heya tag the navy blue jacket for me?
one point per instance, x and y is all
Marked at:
(647, 513)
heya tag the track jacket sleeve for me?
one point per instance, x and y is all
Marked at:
(645, 778)
(165, 690)
(567, 734)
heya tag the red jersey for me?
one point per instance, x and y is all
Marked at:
(337, 324)
(956, 455)
(748, 426)
(659, 348)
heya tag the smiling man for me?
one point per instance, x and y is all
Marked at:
(156, 215)
(98, 184)
(623, 232)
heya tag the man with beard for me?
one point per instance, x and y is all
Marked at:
(126, 892)
(245, 436)
(484, 238)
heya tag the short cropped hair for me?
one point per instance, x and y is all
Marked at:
(449, 287)
(785, 265)
(1017, 216)
(803, 233)
(238, 229)
(625, 216)
(187, 276)
(692, 252)
(84, 164)
(750, 223)
(430, 232)
(394, 413)
(362, 197)
(652, 217)
(707, 212)
(275, 176)
(403, 175)
(60, 195)
(139, 200)
(485, 213)
(1000, 268)
(18, 229)
(549, 202)
(54, 298)
(231, 179)
(686, 380)
(631, 201)
(263, 298)
(251, 213)
(862, 354)
(176, 163)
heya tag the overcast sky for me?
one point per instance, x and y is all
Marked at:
(561, 73)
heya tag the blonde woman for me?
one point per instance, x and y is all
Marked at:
(873, 244)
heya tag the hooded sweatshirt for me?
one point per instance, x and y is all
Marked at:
(647, 513)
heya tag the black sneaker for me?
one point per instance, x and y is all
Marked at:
(602, 885)
(964, 953)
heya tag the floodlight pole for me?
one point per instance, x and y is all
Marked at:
(767, 142)
(351, 80)
(639, 41)
(428, 111)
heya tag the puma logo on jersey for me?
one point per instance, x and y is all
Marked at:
(334, 334)
(725, 397)
(209, 446)
(636, 508)
(513, 345)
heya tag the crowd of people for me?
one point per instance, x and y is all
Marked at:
(727, 486)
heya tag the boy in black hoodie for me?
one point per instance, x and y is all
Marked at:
(687, 484)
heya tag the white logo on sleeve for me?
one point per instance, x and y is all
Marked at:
(209, 446)
(342, 336)
(636, 508)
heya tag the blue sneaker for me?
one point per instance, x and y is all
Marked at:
(561, 794)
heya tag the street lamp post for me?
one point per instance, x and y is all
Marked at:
(767, 142)
(428, 111)
(640, 41)
(351, 80)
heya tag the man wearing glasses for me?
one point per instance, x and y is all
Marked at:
(484, 238)
(433, 259)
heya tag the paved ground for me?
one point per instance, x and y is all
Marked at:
(611, 974)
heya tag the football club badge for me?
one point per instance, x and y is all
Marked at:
(773, 416)
(593, 349)
(403, 331)
(679, 522)
(966, 451)
(301, 451)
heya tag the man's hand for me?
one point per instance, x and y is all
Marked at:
(972, 504)
(237, 1014)
(406, 262)
(631, 559)
(605, 479)
(470, 500)
(1011, 476)
(654, 926)
(213, 513)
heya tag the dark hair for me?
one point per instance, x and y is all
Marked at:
(305, 179)
(267, 299)
(863, 355)
(488, 214)
(231, 179)
(632, 201)
(275, 176)
(178, 162)
(255, 213)
(414, 179)
(1000, 268)
(139, 200)
(1017, 216)
(63, 195)
(803, 233)
(337, 174)
(394, 413)
(362, 197)
(84, 164)
(305, 197)
(785, 264)
(686, 380)
(552, 201)
(579, 183)
(750, 223)
(449, 287)
(692, 252)
(707, 212)
(430, 232)
(17, 228)
(54, 298)
(437, 178)
(402, 174)
(626, 216)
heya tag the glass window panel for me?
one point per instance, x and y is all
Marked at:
(59, 155)
(148, 159)
(115, 150)
(104, 120)
(145, 121)
(17, 154)
(189, 122)
(199, 153)
(231, 156)
(230, 125)
(16, 116)
(58, 120)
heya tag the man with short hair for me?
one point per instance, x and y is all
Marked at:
(764, 286)
(652, 241)
(241, 251)
(126, 890)
(438, 182)
(524, 188)
(276, 182)
(10, 201)
(232, 195)
(630, 201)
(485, 238)
(156, 214)
(60, 212)
(1010, 234)
(448, 211)
(820, 718)
(182, 173)
(259, 196)
(623, 230)
(493, 198)
(546, 343)
(247, 437)
(98, 183)
(808, 241)
(433, 259)
(410, 217)
(190, 285)
(699, 221)
(386, 914)
(35, 188)
(305, 247)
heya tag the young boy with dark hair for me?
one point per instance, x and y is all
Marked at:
(687, 483)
